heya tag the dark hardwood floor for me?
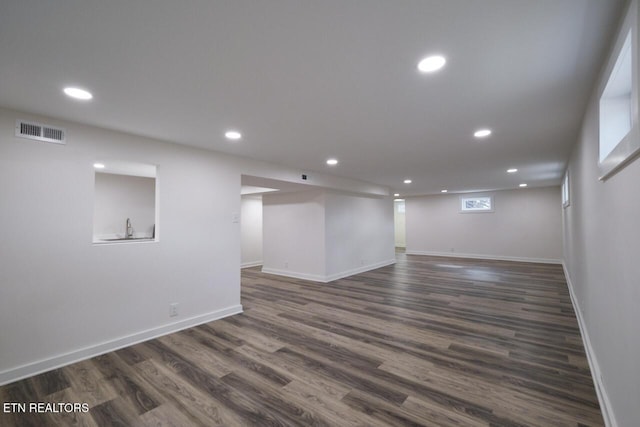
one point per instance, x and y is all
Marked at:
(429, 341)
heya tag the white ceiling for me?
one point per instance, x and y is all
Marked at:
(308, 80)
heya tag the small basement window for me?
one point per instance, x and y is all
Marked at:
(615, 102)
(619, 139)
(476, 204)
(565, 190)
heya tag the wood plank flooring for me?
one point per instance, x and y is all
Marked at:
(430, 341)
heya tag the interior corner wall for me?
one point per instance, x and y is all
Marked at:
(526, 225)
(602, 253)
(251, 230)
(359, 234)
(293, 234)
(63, 298)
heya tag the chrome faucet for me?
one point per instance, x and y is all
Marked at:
(129, 234)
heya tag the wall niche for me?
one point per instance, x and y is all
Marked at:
(125, 202)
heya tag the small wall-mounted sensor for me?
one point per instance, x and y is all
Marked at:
(304, 176)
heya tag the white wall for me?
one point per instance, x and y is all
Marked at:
(294, 234)
(63, 297)
(251, 230)
(525, 225)
(118, 197)
(602, 260)
(324, 235)
(359, 234)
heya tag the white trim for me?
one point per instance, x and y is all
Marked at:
(347, 273)
(34, 368)
(603, 398)
(490, 257)
(330, 277)
(251, 264)
(295, 274)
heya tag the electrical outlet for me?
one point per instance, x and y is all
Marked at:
(286, 264)
(173, 309)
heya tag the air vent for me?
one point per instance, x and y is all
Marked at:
(40, 132)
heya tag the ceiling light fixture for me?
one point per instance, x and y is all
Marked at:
(431, 64)
(332, 162)
(482, 133)
(77, 93)
(396, 194)
(444, 191)
(233, 135)
(514, 170)
(407, 181)
(98, 165)
(523, 185)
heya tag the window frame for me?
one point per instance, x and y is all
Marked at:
(628, 148)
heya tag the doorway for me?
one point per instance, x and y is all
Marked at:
(399, 209)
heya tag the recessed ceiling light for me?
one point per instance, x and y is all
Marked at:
(407, 181)
(396, 195)
(233, 135)
(431, 64)
(482, 133)
(332, 162)
(77, 93)
(398, 200)
(514, 170)
(444, 191)
(98, 165)
(523, 185)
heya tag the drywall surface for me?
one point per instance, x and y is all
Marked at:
(251, 230)
(525, 225)
(359, 233)
(63, 297)
(118, 197)
(294, 234)
(602, 254)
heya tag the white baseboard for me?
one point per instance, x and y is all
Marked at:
(603, 397)
(250, 264)
(35, 368)
(294, 274)
(489, 257)
(327, 278)
(347, 273)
